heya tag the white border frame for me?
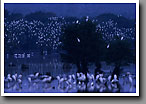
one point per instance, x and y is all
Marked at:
(70, 94)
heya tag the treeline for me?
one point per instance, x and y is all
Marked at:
(42, 30)
(43, 17)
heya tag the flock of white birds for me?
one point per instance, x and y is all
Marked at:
(65, 83)
(47, 35)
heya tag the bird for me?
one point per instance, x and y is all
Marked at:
(90, 86)
(101, 79)
(97, 77)
(46, 80)
(81, 86)
(69, 80)
(115, 80)
(108, 46)
(78, 40)
(115, 83)
(34, 76)
(81, 77)
(20, 76)
(60, 80)
(9, 77)
(130, 79)
(109, 78)
(8, 80)
(87, 18)
(90, 77)
(19, 81)
(73, 77)
(29, 79)
(14, 77)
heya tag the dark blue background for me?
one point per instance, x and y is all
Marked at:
(78, 10)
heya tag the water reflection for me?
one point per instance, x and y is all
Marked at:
(21, 75)
(56, 85)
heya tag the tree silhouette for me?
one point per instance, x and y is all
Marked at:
(119, 53)
(81, 44)
(39, 16)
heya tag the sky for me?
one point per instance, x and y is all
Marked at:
(76, 10)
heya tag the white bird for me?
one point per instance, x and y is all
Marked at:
(9, 77)
(109, 78)
(79, 82)
(91, 86)
(60, 80)
(81, 86)
(109, 86)
(77, 21)
(19, 76)
(81, 77)
(29, 79)
(90, 77)
(19, 81)
(44, 76)
(78, 40)
(47, 79)
(97, 77)
(101, 79)
(69, 81)
(108, 46)
(121, 38)
(37, 74)
(101, 75)
(87, 18)
(34, 76)
(78, 74)
(31, 75)
(115, 80)
(74, 77)
(130, 79)
(8, 80)
(14, 77)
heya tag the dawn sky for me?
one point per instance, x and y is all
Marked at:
(77, 10)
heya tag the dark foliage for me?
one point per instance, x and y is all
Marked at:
(39, 16)
(119, 53)
(82, 44)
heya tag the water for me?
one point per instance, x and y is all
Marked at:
(54, 87)
(53, 65)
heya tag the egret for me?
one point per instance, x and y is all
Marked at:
(87, 18)
(14, 77)
(78, 40)
(115, 80)
(109, 78)
(97, 77)
(47, 79)
(108, 46)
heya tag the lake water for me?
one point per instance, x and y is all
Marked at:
(52, 64)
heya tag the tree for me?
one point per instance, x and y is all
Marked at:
(39, 16)
(119, 53)
(81, 44)
(6, 13)
(12, 16)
